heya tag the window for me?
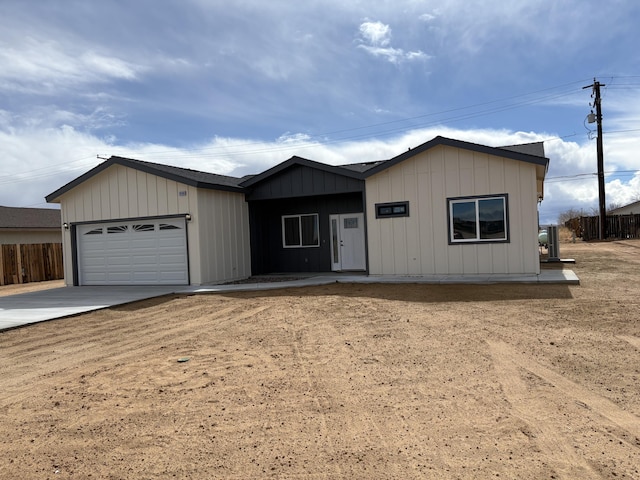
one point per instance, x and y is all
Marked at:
(478, 219)
(117, 229)
(144, 228)
(300, 231)
(168, 226)
(396, 209)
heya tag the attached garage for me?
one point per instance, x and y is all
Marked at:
(129, 222)
(141, 252)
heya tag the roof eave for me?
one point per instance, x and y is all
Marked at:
(54, 197)
(449, 142)
(295, 160)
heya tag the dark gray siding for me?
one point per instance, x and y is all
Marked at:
(267, 252)
(303, 181)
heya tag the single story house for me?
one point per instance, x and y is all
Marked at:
(29, 225)
(629, 209)
(444, 207)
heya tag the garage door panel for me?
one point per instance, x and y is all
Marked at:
(126, 253)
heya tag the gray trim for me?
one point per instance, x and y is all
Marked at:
(295, 160)
(507, 225)
(193, 178)
(449, 142)
(130, 219)
(392, 204)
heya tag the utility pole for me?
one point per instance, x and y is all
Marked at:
(601, 194)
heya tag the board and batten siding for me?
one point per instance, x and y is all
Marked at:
(223, 218)
(419, 244)
(121, 192)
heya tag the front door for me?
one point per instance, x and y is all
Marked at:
(347, 242)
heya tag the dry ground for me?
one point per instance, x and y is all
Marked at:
(340, 381)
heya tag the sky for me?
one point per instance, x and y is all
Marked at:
(236, 87)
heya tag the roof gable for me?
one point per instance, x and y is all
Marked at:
(512, 153)
(194, 178)
(298, 177)
(29, 218)
(299, 161)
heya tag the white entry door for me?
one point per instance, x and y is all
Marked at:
(347, 242)
(141, 252)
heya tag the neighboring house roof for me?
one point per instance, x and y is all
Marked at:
(194, 178)
(633, 207)
(29, 218)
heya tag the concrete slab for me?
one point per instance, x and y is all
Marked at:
(32, 307)
(26, 308)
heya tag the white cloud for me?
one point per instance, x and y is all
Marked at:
(37, 66)
(376, 39)
(376, 33)
(48, 158)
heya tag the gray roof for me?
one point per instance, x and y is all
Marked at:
(194, 178)
(535, 148)
(295, 160)
(626, 209)
(530, 153)
(511, 153)
(29, 218)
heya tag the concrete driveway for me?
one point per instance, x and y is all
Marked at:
(32, 307)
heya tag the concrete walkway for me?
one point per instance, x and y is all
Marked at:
(42, 305)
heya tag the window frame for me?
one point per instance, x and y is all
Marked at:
(300, 232)
(477, 199)
(392, 205)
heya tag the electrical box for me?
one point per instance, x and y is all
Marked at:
(553, 243)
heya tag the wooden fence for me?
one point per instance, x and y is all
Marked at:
(24, 263)
(616, 227)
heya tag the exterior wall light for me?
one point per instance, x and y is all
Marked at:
(187, 217)
(65, 225)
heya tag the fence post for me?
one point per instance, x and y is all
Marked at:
(19, 262)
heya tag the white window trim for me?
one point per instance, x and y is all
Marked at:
(476, 199)
(299, 217)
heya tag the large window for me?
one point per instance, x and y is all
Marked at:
(300, 231)
(478, 219)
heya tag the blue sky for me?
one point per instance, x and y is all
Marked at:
(236, 87)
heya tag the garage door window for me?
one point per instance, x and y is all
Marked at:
(117, 229)
(95, 231)
(166, 226)
(144, 228)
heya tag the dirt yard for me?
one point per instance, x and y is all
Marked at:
(341, 381)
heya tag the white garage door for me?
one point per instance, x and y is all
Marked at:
(140, 252)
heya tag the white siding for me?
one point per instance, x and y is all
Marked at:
(218, 235)
(418, 244)
(223, 219)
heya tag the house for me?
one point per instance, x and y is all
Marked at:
(630, 209)
(133, 222)
(444, 207)
(29, 225)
